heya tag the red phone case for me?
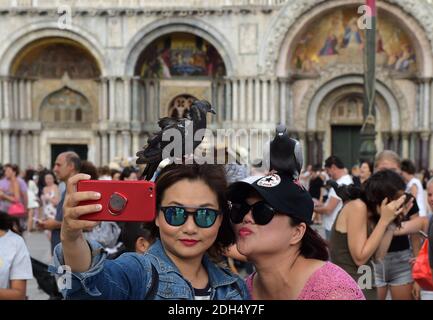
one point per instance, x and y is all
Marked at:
(132, 201)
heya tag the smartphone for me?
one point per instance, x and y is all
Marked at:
(129, 201)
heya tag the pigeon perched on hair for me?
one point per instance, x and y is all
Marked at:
(152, 153)
(285, 153)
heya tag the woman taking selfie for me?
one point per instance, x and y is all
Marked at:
(193, 224)
(271, 216)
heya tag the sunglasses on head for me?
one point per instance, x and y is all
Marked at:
(177, 216)
(261, 211)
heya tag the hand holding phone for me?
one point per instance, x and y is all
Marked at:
(131, 201)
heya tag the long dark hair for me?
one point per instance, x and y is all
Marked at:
(382, 184)
(212, 175)
(6, 222)
(312, 244)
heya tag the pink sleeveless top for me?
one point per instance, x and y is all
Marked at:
(329, 282)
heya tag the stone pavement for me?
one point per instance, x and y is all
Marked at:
(39, 248)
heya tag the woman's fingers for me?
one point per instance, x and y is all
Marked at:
(399, 211)
(71, 186)
(76, 212)
(399, 202)
(81, 224)
(76, 197)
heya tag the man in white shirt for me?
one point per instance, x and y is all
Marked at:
(336, 171)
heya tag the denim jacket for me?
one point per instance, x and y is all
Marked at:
(130, 277)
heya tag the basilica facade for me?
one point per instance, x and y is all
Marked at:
(95, 76)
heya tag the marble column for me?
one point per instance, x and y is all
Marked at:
(1, 144)
(221, 102)
(320, 139)
(257, 100)
(16, 99)
(425, 135)
(431, 154)
(104, 148)
(228, 100)
(235, 103)
(22, 98)
(301, 136)
(36, 148)
(405, 145)
(283, 93)
(426, 104)
(385, 140)
(265, 102)
(112, 99)
(242, 107)
(1, 102)
(119, 145)
(311, 159)
(396, 142)
(97, 154)
(214, 100)
(147, 102)
(135, 142)
(14, 147)
(127, 99)
(29, 100)
(250, 101)
(136, 108)
(105, 99)
(22, 154)
(100, 100)
(6, 154)
(126, 144)
(6, 98)
(112, 147)
(272, 102)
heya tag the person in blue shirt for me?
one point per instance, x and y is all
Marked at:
(194, 230)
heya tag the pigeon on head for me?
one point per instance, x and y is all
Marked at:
(285, 154)
(171, 128)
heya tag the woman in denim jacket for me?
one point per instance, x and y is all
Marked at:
(193, 224)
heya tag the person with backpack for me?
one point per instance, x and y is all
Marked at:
(194, 228)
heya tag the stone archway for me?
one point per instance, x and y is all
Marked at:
(320, 100)
(37, 31)
(341, 110)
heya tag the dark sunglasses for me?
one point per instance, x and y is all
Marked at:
(177, 216)
(261, 211)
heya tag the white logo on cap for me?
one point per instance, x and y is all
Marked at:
(269, 181)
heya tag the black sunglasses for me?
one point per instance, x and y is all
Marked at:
(177, 216)
(261, 211)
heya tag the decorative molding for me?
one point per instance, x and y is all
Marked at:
(138, 11)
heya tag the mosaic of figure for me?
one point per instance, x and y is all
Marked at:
(336, 39)
(180, 54)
